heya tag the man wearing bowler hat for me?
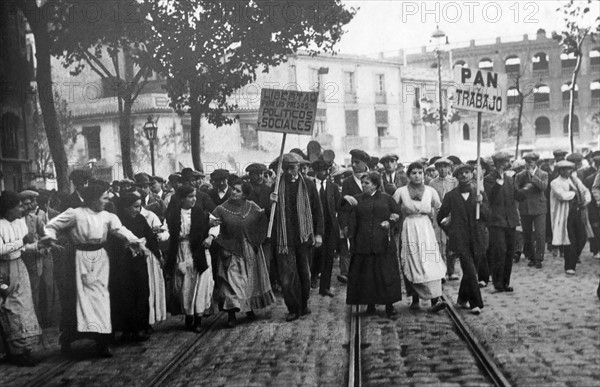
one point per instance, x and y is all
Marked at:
(298, 226)
(329, 194)
(351, 186)
(500, 189)
(531, 183)
(392, 178)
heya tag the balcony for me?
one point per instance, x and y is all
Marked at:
(567, 103)
(567, 72)
(355, 142)
(387, 142)
(541, 105)
(380, 99)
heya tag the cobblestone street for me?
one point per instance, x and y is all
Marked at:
(545, 333)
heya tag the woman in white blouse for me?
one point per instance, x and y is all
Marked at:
(86, 299)
(20, 328)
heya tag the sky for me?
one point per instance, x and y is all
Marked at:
(388, 25)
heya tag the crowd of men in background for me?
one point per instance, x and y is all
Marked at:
(534, 204)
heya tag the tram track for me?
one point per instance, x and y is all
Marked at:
(483, 358)
(49, 376)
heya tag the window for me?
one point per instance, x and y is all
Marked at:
(351, 122)
(249, 136)
(566, 91)
(381, 122)
(575, 125)
(380, 87)
(466, 132)
(542, 126)
(512, 64)
(512, 96)
(460, 63)
(417, 103)
(595, 89)
(567, 61)
(540, 61)
(595, 56)
(486, 64)
(349, 82)
(9, 136)
(317, 83)
(92, 139)
(541, 94)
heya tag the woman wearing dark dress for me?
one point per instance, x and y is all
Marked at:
(242, 283)
(128, 280)
(374, 274)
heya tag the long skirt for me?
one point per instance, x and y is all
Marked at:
(374, 278)
(18, 322)
(93, 298)
(243, 281)
(192, 290)
(156, 285)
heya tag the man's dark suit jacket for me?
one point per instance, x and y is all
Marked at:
(532, 201)
(503, 206)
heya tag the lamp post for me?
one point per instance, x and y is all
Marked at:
(438, 35)
(150, 130)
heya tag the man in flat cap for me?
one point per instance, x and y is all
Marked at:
(40, 266)
(260, 190)
(392, 177)
(531, 183)
(500, 189)
(220, 191)
(329, 194)
(568, 199)
(351, 186)
(457, 217)
(297, 228)
(443, 184)
(143, 181)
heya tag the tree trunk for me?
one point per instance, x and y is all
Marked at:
(195, 114)
(126, 135)
(44, 83)
(572, 101)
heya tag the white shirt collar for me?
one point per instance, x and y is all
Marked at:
(357, 180)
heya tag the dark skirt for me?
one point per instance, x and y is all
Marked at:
(374, 279)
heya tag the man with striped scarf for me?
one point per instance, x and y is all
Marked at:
(298, 227)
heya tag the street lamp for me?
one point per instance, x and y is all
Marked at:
(150, 130)
(438, 35)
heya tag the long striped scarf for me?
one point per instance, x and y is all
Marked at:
(305, 220)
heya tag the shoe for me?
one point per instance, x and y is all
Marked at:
(292, 317)
(314, 283)
(453, 277)
(415, 306)
(437, 307)
(23, 360)
(103, 350)
(476, 310)
(531, 264)
(498, 289)
(342, 278)
(463, 304)
(538, 265)
(306, 311)
(197, 325)
(251, 315)
(390, 311)
(231, 321)
(483, 284)
(327, 293)
(371, 309)
(509, 289)
(570, 272)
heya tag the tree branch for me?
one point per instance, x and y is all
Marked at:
(88, 55)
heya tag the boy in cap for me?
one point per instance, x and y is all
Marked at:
(350, 187)
(500, 189)
(297, 228)
(531, 184)
(329, 194)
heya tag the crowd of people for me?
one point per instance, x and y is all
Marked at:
(111, 260)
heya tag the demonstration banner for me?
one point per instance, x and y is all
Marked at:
(287, 111)
(479, 90)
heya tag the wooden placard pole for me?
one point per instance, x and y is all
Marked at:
(276, 191)
(479, 170)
